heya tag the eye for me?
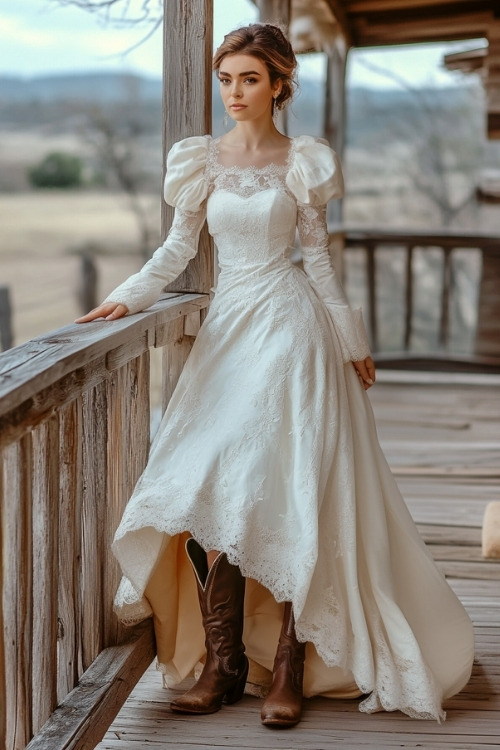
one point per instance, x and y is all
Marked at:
(224, 81)
(250, 80)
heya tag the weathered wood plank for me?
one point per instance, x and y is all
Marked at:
(45, 498)
(449, 510)
(94, 469)
(70, 540)
(28, 369)
(134, 348)
(17, 591)
(455, 535)
(127, 447)
(81, 720)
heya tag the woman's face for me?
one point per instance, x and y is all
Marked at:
(245, 87)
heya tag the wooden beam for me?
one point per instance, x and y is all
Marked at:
(375, 6)
(81, 720)
(339, 11)
(187, 109)
(334, 113)
(402, 29)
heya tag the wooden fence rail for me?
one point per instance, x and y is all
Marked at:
(74, 437)
(487, 338)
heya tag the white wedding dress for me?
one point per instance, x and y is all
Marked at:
(268, 452)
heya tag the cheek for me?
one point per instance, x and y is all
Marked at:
(261, 96)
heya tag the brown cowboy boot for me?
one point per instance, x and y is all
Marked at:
(221, 592)
(283, 705)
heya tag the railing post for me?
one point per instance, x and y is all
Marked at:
(6, 336)
(409, 297)
(445, 297)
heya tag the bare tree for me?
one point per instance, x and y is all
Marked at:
(124, 13)
(442, 133)
(113, 142)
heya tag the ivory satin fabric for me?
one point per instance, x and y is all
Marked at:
(268, 451)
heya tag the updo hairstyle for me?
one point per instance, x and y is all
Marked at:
(270, 45)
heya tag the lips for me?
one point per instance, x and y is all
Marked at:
(238, 106)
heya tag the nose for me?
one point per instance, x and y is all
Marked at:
(236, 90)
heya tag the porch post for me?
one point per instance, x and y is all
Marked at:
(492, 82)
(334, 112)
(277, 12)
(187, 109)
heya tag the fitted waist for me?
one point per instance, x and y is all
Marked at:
(235, 270)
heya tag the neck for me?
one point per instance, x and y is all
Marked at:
(255, 134)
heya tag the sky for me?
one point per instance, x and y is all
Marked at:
(39, 37)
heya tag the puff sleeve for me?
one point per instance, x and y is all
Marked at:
(315, 178)
(186, 189)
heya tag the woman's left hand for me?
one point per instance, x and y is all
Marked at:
(365, 370)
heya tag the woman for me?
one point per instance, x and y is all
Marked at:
(266, 468)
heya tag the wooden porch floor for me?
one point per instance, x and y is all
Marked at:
(441, 434)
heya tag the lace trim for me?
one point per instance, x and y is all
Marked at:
(351, 332)
(129, 605)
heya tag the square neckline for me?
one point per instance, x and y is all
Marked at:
(271, 166)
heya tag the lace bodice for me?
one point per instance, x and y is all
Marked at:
(253, 214)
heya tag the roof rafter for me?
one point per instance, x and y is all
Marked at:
(339, 11)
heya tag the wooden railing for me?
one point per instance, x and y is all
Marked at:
(485, 351)
(74, 437)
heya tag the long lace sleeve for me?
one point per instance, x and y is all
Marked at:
(348, 322)
(142, 289)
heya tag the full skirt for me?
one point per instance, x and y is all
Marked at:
(268, 452)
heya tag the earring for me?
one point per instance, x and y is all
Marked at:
(225, 121)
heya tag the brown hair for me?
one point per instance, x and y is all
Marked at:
(269, 44)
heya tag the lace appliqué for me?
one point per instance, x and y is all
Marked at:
(245, 181)
(143, 288)
(318, 265)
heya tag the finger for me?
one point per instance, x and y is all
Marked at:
(118, 312)
(363, 371)
(92, 315)
(97, 312)
(370, 366)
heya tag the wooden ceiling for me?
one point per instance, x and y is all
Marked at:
(369, 23)
(382, 22)
(320, 25)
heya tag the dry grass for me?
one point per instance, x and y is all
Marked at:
(40, 232)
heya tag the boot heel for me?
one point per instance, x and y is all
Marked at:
(236, 692)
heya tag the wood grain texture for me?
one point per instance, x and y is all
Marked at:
(187, 110)
(70, 539)
(27, 370)
(94, 500)
(17, 591)
(81, 719)
(449, 510)
(75, 432)
(45, 499)
(127, 448)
